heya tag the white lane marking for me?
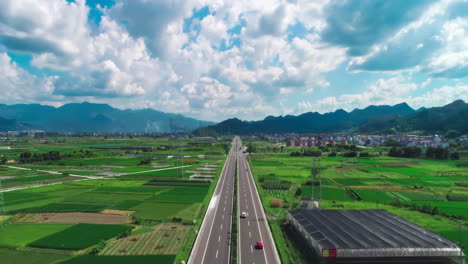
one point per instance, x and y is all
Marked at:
(219, 238)
(256, 217)
(224, 209)
(222, 217)
(246, 207)
(250, 235)
(248, 223)
(216, 253)
(221, 227)
(251, 249)
(223, 174)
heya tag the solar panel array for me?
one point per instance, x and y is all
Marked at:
(365, 229)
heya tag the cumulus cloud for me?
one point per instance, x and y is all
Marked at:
(20, 86)
(358, 25)
(53, 26)
(269, 55)
(434, 44)
(383, 92)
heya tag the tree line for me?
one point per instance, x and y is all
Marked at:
(416, 152)
(27, 157)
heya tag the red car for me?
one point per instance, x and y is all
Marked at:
(259, 245)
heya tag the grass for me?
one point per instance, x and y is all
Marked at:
(166, 211)
(376, 180)
(160, 242)
(326, 193)
(80, 236)
(370, 195)
(106, 197)
(92, 259)
(14, 256)
(64, 207)
(33, 178)
(182, 194)
(19, 235)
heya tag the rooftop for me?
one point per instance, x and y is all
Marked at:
(365, 232)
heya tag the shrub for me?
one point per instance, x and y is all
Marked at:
(275, 203)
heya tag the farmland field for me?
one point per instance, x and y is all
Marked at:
(97, 192)
(150, 259)
(431, 193)
(29, 256)
(80, 236)
(163, 240)
(20, 235)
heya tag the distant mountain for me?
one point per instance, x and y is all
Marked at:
(89, 117)
(10, 125)
(439, 120)
(311, 122)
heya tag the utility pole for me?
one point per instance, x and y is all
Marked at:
(2, 207)
(314, 178)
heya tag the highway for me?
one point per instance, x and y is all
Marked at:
(254, 227)
(213, 241)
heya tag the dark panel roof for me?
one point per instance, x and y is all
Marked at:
(366, 229)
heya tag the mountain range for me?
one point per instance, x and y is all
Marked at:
(89, 117)
(381, 119)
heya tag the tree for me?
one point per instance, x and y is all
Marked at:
(225, 148)
(392, 143)
(250, 148)
(145, 161)
(3, 160)
(453, 134)
(455, 155)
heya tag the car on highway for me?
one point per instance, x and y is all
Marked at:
(259, 245)
(243, 215)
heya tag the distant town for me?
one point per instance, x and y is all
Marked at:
(290, 140)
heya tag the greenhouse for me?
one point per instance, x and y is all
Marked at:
(369, 236)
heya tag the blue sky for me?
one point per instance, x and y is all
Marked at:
(214, 60)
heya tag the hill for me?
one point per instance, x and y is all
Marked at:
(11, 125)
(89, 117)
(438, 120)
(311, 122)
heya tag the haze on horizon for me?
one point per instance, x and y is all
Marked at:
(213, 60)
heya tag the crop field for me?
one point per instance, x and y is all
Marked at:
(431, 193)
(166, 211)
(20, 235)
(163, 240)
(181, 194)
(30, 256)
(58, 209)
(150, 259)
(326, 193)
(80, 236)
(74, 218)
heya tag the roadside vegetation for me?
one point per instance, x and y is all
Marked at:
(427, 186)
(106, 200)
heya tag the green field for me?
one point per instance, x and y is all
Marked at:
(159, 259)
(166, 211)
(80, 236)
(405, 187)
(20, 235)
(153, 193)
(14, 256)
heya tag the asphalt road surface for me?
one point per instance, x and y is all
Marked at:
(254, 227)
(213, 241)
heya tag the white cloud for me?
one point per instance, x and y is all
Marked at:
(19, 86)
(52, 26)
(141, 55)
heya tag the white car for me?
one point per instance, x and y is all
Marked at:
(243, 215)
